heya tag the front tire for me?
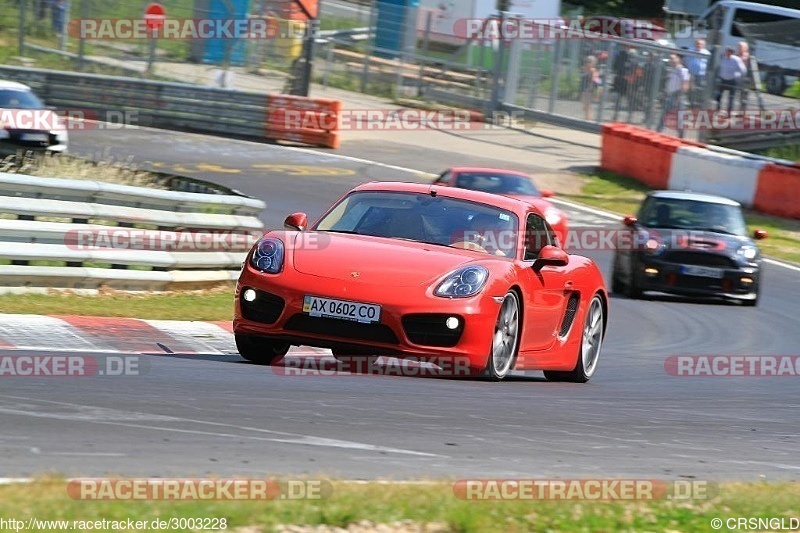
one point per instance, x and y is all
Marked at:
(617, 287)
(505, 341)
(260, 350)
(632, 288)
(591, 343)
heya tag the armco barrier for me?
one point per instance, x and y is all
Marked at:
(313, 121)
(140, 216)
(175, 106)
(702, 170)
(778, 190)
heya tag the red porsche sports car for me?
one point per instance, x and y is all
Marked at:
(508, 183)
(423, 271)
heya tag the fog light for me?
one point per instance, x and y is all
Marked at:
(249, 295)
(747, 281)
(452, 323)
(651, 271)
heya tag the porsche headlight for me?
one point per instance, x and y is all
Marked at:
(268, 256)
(463, 283)
(748, 252)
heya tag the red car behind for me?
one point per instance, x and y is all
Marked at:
(508, 183)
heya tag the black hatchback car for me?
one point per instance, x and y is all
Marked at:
(690, 244)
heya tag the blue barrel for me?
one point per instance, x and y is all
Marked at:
(396, 23)
(215, 49)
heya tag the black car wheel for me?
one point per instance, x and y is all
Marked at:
(260, 350)
(617, 287)
(632, 288)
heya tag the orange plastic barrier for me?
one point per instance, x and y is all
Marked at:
(312, 121)
(777, 190)
(638, 153)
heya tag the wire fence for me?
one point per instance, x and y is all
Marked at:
(427, 52)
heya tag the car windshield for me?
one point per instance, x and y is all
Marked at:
(17, 99)
(496, 183)
(421, 217)
(674, 213)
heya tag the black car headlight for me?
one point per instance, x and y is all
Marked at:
(268, 256)
(463, 283)
(748, 252)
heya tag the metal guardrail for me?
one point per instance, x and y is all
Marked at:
(155, 104)
(43, 249)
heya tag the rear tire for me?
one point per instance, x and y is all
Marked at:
(775, 82)
(591, 344)
(260, 350)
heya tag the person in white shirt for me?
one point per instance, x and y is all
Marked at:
(677, 88)
(744, 86)
(731, 72)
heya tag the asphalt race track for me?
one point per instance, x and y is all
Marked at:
(218, 415)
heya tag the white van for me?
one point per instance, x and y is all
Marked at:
(773, 33)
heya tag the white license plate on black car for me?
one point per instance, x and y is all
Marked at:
(703, 272)
(330, 308)
(35, 137)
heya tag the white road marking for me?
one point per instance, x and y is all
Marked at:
(114, 417)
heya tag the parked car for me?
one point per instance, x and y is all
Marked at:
(508, 183)
(691, 244)
(26, 124)
(388, 271)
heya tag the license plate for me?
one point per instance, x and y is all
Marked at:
(330, 308)
(703, 272)
(35, 137)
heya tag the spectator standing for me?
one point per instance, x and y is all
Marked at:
(678, 84)
(731, 71)
(621, 65)
(697, 67)
(589, 79)
(744, 88)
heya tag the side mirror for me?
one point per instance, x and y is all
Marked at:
(760, 234)
(298, 221)
(551, 256)
(630, 221)
(547, 193)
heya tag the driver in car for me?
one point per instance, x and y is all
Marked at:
(490, 234)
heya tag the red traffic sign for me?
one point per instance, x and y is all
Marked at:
(154, 15)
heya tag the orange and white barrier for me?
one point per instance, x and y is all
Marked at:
(312, 121)
(666, 162)
(723, 174)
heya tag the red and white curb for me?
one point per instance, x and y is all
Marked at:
(121, 335)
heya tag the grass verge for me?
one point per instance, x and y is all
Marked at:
(213, 304)
(622, 195)
(434, 506)
(59, 166)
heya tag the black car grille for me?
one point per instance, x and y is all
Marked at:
(569, 315)
(266, 308)
(432, 330)
(700, 259)
(342, 329)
